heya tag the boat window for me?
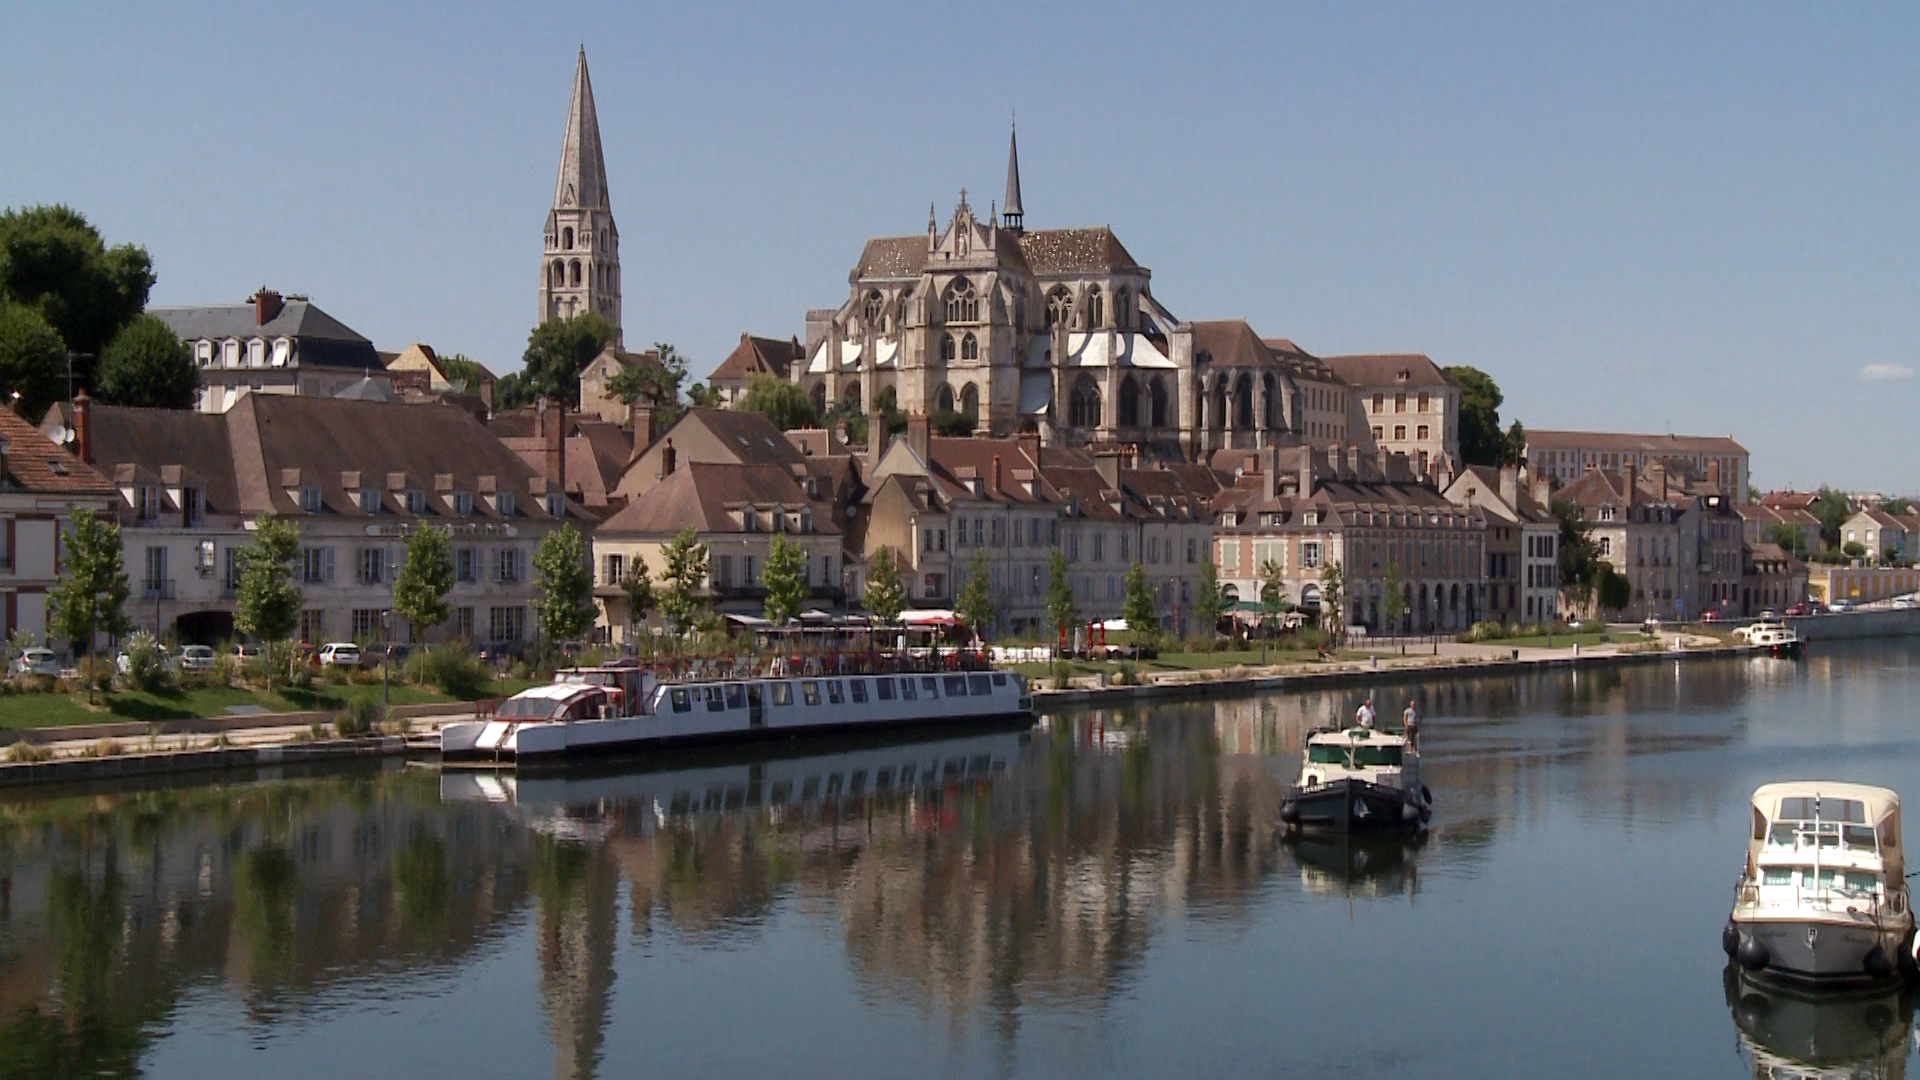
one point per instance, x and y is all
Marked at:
(1777, 875)
(931, 686)
(885, 688)
(736, 695)
(782, 791)
(906, 775)
(782, 693)
(810, 789)
(859, 782)
(999, 678)
(978, 685)
(883, 780)
(1812, 807)
(833, 785)
(680, 702)
(1858, 836)
(907, 691)
(716, 699)
(1759, 825)
(810, 692)
(1326, 754)
(1376, 755)
(1846, 881)
(836, 693)
(858, 688)
(980, 763)
(956, 686)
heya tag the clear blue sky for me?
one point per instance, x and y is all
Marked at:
(1696, 217)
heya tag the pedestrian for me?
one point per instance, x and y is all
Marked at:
(1364, 714)
(1410, 720)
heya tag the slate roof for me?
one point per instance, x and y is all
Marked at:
(1088, 250)
(1230, 343)
(320, 339)
(1547, 439)
(892, 257)
(1385, 369)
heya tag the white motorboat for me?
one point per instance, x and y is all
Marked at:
(621, 708)
(1358, 780)
(1823, 894)
(1775, 639)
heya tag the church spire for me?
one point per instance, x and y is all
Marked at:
(1010, 213)
(582, 182)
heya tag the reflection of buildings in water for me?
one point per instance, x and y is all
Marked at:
(1819, 1033)
(577, 885)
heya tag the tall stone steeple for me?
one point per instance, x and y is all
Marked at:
(1011, 215)
(580, 270)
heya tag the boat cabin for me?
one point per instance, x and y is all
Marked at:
(627, 685)
(1831, 839)
(1369, 753)
(556, 702)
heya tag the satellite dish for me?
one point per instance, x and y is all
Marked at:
(60, 434)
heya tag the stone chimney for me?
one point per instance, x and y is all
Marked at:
(1386, 459)
(554, 444)
(83, 426)
(640, 418)
(920, 437)
(876, 434)
(667, 459)
(997, 488)
(1510, 485)
(266, 305)
(1657, 476)
(1108, 466)
(1628, 472)
(1306, 471)
(1542, 490)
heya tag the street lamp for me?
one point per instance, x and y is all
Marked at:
(386, 662)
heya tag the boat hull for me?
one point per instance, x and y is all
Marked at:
(1823, 949)
(1355, 806)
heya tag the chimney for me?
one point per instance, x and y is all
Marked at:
(1628, 472)
(667, 459)
(1306, 471)
(266, 305)
(1029, 445)
(1542, 490)
(1657, 477)
(83, 426)
(553, 432)
(486, 396)
(640, 418)
(1108, 466)
(1385, 460)
(919, 437)
(876, 434)
(997, 489)
(1510, 485)
(1713, 474)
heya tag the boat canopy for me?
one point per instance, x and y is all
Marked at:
(1854, 814)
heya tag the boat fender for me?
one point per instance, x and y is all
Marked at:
(1426, 795)
(1752, 955)
(1409, 812)
(1876, 964)
(1729, 938)
(1426, 813)
(1290, 812)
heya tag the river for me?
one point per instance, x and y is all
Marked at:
(1106, 894)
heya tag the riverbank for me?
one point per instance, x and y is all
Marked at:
(117, 751)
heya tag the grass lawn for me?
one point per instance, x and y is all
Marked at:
(50, 710)
(1562, 641)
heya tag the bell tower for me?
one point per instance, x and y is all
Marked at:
(580, 270)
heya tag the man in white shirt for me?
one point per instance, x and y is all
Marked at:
(1364, 714)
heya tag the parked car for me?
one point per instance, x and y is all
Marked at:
(1797, 610)
(339, 654)
(380, 652)
(1710, 615)
(36, 661)
(124, 664)
(245, 653)
(1769, 613)
(1840, 606)
(196, 658)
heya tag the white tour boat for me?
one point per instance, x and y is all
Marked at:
(1358, 780)
(1775, 639)
(622, 708)
(1823, 894)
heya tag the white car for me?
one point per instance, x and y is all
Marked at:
(340, 654)
(1839, 606)
(36, 662)
(124, 666)
(196, 658)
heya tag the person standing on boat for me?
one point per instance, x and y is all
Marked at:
(1363, 715)
(1410, 720)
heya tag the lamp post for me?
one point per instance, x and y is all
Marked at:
(386, 662)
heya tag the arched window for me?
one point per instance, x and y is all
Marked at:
(1096, 308)
(947, 349)
(1158, 409)
(1059, 307)
(819, 398)
(970, 404)
(1243, 402)
(1218, 413)
(944, 402)
(1129, 402)
(573, 272)
(969, 348)
(1269, 401)
(852, 398)
(566, 238)
(962, 303)
(1122, 312)
(1084, 410)
(873, 307)
(559, 273)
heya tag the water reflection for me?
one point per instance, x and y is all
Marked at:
(1785, 1033)
(992, 886)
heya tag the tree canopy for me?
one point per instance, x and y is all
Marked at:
(1393, 598)
(638, 585)
(975, 602)
(563, 581)
(267, 607)
(1062, 611)
(1832, 508)
(54, 261)
(1481, 441)
(658, 384)
(426, 577)
(92, 591)
(32, 359)
(780, 401)
(1138, 607)
(465, 373)
(558, 350)
(146, 365)
(885, 596)
(785, 577)
(1208, 601)
(685, 576)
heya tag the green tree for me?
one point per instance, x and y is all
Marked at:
(54, 261)
(638, 585)
(1832, 508)
(1615, 592)
(426, 577)
(885, 595)
(267, 607)
(92, 591)
(1481, 442)
(1138, 607)
(785, 578)
(465, 374)
(1333, 597)
(975, 602)
(33, 360)
(1273, 589)
(147, 366)
(1579, 556)
(1209, 604)
(564, 584)
(1854, 549)
(1062, 612)
(1791, 539)
(558, 350)
(887, 404)
(1516, 441)
(702, 396)
(780, 401)
(950, 424)
(658, 384)
(1895, 506)
(1393, 600)
(685, 577)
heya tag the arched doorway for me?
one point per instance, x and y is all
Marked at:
(970, 404)
(943, 401)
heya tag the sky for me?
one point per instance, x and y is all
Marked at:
(1672, 216)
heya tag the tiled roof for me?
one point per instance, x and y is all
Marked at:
(154, 438)
(1229, 343)
(34, 463)
(892, 257)
(701, 494)
(757, 354)
(1543, 439)
(750, 436)
(1055, 251)
(1388, 369)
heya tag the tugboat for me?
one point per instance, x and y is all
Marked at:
(1823, 895)
(1358, 780)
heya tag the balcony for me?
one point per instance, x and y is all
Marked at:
(156, 589)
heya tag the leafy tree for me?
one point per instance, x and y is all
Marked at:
(656, 383)
(564, 583)
(1613, 589)
(1790, 538)
(950, 424)
(1273, 589)
(558, 350)
(1138, 608)
(885, 595)
(147, 366)
(1333, 597)
(1062, 612)
(463, 372)
(1393, 600)
(1516, 444)
(975, 602)
(702, 396)
(1481, 442)
(91, 593)
(1209, 604)
(54, 261)
(638, 585)
(1832, 508)
(785, 577)
(1854, 549)
(887, 404)
(780, 401)
(1895, 506)
(686, 575)
(1579, 556)
(426, 577)
(267, 607)
(32, 359)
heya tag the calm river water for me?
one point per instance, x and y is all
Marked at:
(1104, 895)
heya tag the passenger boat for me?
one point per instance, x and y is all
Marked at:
(1776, 639)
(1358, 780)
(624, 708)
(1789, 1032)
(1823, 895)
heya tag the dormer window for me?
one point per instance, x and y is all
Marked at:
(416, 500)
(369, 500)
(1229, 520)
(1606, 513)
(256, 353)
(1311, 517)
(230, 354)
(463, 503)
(282, 352)
(503, 502)
(748, 523)
(203, 353)
(556, 505)
(310, 500)
(146, 502)
(192, 506)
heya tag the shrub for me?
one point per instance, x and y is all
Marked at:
(37, 684)
(1062, 675)
(456, 672)
(520, 670)
(146, 662)
(1127, 674)
(224, 671)
(105, 748)
(221, 741)
(24, 752)
(335, 675)
(359, 718)
(397, 728)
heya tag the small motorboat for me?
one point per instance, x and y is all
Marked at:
(1823, 895)
(1358, 779)
(1776, 639)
